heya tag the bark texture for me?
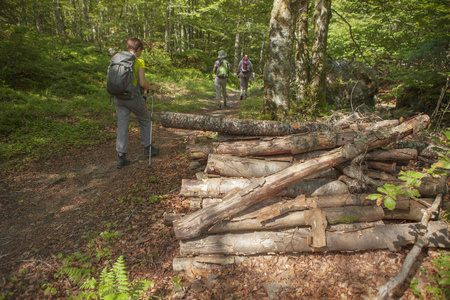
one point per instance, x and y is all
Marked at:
(238, 126)
(278, 69)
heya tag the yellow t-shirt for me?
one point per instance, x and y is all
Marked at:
(138, 64)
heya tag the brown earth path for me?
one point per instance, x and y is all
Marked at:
(61, 206)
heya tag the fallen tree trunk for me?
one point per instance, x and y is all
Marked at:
(391, 237)
(293, 144)
(267, 187)
(238, 126)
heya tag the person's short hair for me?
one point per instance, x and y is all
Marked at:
(133, 44)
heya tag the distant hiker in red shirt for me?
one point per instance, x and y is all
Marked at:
(244, 72)
(221, 73)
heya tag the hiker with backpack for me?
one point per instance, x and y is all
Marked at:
(221, 73)
(244, 73)
(126, 82)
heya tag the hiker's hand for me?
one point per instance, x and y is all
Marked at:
(153, 87)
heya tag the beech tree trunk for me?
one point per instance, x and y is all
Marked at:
(278, 67)
(238, 126)
(302, 61)
(322, 15)
(391, 237)
(235, 201)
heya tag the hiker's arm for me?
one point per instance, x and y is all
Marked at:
(144, 84)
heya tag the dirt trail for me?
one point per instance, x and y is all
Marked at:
(62, 205)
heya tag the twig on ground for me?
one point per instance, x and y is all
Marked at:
(422, 240)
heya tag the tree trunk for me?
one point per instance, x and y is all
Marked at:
(58, 19)
(302, 61)
(322, 15)
(237, 40)
(278, 68)
(37, 17)
(391, 237)
(267, 187)
(238, 126)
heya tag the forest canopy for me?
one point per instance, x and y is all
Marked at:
(406, 42)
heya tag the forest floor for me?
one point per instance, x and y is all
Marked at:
(79, 202)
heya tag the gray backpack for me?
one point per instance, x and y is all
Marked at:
(119, 81)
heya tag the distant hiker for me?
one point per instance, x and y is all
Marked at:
(221, 73)
(134, 104)
(244, 72)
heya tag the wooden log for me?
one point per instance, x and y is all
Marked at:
(391, 237)
(294, 144)
(235, 166)
(333, 215)
(429, 187)
(205, 262)
(332, 188)
(274, 207)
(413, 213)
(376, 174)
(373, 126)
(318, 222)
(386, 167)
(267, 187)
(354, 186)
(218, 187)
(238, 126)
(392, 155)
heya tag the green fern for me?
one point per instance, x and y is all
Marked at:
(114, 285)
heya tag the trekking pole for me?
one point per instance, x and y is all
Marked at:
(151, 135)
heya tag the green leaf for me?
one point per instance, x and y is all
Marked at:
(374, 196)
(389, 203)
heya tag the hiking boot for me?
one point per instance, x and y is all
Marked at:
(122, 161)
(155, 151)
(246, 95)
(224, 101)
(242, 97)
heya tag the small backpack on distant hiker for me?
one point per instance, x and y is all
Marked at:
(223, 69)
(121, 73)
(245, 65)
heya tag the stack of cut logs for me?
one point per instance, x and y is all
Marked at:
(301, 188)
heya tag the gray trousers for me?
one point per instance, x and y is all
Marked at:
(243, 80)
(138, 107)
(221, 87)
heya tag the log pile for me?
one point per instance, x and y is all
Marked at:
(297, 192)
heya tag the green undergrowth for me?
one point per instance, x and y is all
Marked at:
(53, 98)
